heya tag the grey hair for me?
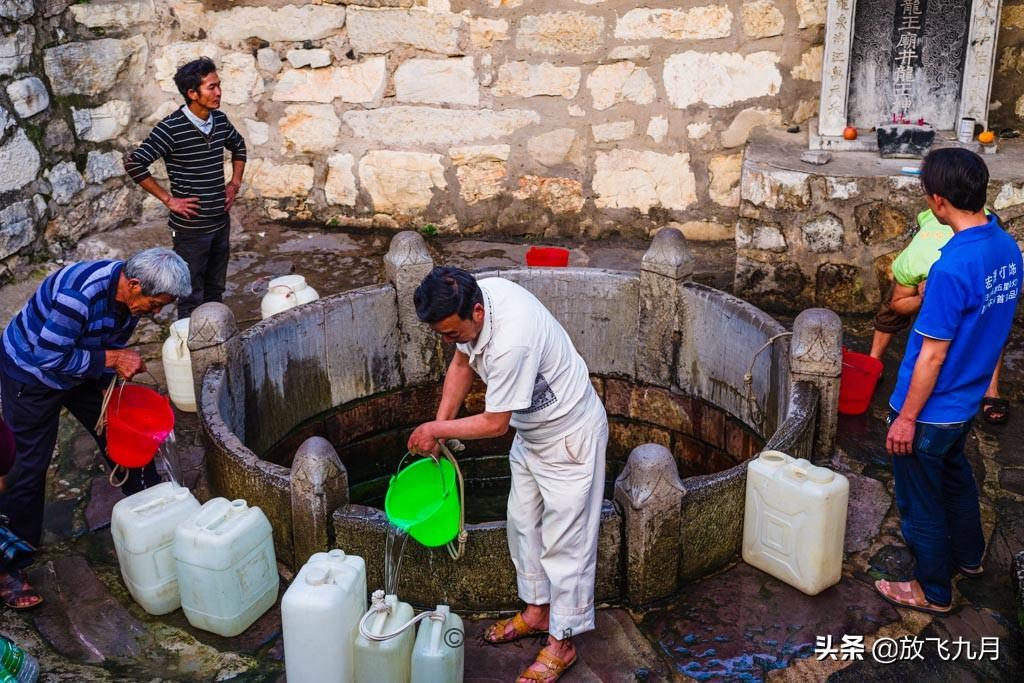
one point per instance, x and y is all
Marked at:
(159, 271)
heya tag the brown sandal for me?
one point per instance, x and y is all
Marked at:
(15, 591)
(495, 633)
(909, 594)
(554, 668)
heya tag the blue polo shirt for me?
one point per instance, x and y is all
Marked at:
(969, 300)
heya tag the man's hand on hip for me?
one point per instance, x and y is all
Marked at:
(230, 192)
(125, 362)
(184, 206)
(900, 440)
(422, 440)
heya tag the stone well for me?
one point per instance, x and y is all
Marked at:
(307, 411)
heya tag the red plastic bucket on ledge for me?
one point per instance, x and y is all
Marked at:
(138, 421)
(858, 381)
(547, 257)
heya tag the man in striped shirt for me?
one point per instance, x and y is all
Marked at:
(191, 141)
(60, 351)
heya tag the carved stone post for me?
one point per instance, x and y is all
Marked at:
(667, 263)
(319, 485)
(816, 356)
(407, 263)
(212, 334)
(650, 494)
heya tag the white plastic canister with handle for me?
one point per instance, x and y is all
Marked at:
(227, 570)
(387, 660)
(143, 527)
(794, 521)
(438, 656)
(286, 292)
(178, 367)
(320, 615)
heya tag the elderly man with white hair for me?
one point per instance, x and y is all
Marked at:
(60, 351)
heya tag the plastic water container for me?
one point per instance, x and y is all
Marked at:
(320, 615)
(438, 655)
(227, 571)
(795, 521)
(286, 292)
(388, 660)
(178, 367)
(143, 528)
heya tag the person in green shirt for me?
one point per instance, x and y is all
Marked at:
(906, 291)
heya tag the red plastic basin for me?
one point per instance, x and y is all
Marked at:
(548, 257)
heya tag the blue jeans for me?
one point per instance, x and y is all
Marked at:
(938, 502)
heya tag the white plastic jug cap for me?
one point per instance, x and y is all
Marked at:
(337, 553)
(237, 505)
(820, 475)
(317, 576)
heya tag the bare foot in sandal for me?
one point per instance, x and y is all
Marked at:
(553, 661)
(16, 592)
(530, 621)
(909, 594)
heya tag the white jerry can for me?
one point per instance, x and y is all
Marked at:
(227, 570)
(178, 367)
(286, 292)
(438, 656)
(143, 528)
(795, 520)
(387, 660)
(320, 615)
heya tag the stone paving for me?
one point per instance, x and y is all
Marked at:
(738, 625)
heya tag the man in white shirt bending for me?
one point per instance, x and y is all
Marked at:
(537, 383)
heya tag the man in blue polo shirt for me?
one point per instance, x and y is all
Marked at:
(959, 334)
(60, 351)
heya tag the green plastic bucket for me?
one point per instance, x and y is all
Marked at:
(422, 500)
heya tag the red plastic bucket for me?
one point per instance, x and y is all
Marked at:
(857, 384)
(548, 257)
(138, 421)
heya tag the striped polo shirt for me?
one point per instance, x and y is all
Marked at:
(59, 337)
(195, 164)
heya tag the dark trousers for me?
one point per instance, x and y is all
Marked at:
(206, 254)
(939, 511)
(32, 411)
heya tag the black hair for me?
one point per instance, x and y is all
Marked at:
(189, 76)
(444, 292)
(958, 175)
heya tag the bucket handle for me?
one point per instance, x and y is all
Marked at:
(457, 547)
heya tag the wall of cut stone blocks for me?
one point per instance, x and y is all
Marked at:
(561, 118)
(808, 239)
(1007, 84)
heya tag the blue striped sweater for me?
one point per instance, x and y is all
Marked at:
(60, 335)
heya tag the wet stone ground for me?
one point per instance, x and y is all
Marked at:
(738, 625)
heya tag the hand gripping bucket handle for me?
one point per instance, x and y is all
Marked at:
(456, 547)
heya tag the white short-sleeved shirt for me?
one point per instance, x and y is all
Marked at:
(529, 364)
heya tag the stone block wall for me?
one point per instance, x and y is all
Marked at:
(562, 118)
(1007, 84)
(827, 236)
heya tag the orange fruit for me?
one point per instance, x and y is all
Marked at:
(849, 133)
(986, 137)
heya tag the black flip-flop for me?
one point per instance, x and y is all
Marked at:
(995, 411)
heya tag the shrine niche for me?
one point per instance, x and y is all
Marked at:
(904, 61)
